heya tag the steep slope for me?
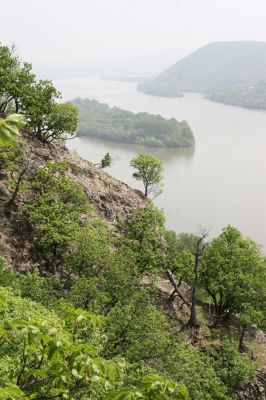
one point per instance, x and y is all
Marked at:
(212, 67)
(110, 198)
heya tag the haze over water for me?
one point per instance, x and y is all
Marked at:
(219, 182)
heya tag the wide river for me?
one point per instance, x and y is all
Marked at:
(221, 181)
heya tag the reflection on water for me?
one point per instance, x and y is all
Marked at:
(166, 155)
(220, 182)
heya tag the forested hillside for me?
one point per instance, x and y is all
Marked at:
(114, 124)
(253, 97)
(223, 71)
(98, 300)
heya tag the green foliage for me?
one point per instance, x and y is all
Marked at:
(106, 161)
(11, 392)
(149, 171)
(16, 164)
(16, 80)
(232, 271)
(89, 329)
(122, 277)
(88, 294)
(143, 232)
(56, 209)
(9, 129)
(22, 93)
(89, 250)
(197, 371)
(45, 356)
(234, 276)
(137, 330)
(102, 274)
(31, 285)
(180, 257)
(114, 124)
(49, 120)
(153, 387)
(248, 96)
(233, 369)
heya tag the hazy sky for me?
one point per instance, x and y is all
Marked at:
(93, 30)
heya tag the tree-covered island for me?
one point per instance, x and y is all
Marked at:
(114, 124)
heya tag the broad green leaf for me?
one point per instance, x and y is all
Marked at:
(9, 129)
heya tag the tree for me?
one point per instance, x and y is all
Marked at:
(198, 253)
(149, 171)
(21, 93)
(55, 210)
(137, 330)
(179, 261)
(89, 260)
(47, 119)
(17, 164)
(143, 232)
(16, 80)
(182, 263)
(234, 277)
(106, 161)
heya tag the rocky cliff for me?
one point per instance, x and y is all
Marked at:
(110, 198)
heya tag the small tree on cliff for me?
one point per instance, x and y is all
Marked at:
(106, 161)
(149, 170)
(48, 119)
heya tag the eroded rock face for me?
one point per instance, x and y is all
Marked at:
(110, 198)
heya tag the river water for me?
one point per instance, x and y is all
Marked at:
(219, 182)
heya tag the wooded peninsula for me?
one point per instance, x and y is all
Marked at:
(100, 121)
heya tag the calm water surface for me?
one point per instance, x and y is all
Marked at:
(220, 182)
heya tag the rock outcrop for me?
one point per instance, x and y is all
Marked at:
(110, 198)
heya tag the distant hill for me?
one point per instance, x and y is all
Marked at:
(222, 70)
(253, 97)
(116, 125)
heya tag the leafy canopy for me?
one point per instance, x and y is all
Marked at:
(149, 171)
(22, 93)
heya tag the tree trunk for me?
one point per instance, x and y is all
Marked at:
(17, 105)
(176, 288)
(193, 313)
(193, 321)
(241, 339)
(146, 191)
(213, 296)
(11, 201)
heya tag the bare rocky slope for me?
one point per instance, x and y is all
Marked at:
(110, 198)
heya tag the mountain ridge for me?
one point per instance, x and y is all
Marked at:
(216, 66)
